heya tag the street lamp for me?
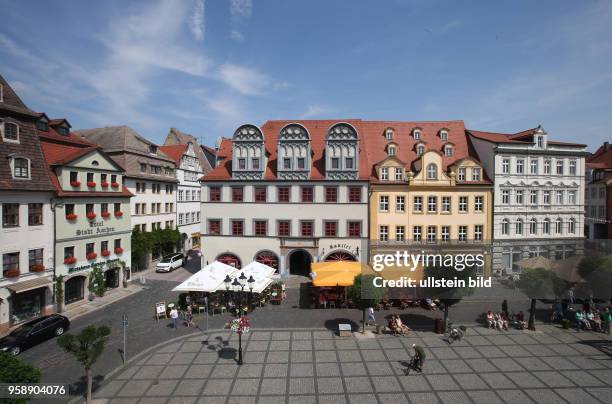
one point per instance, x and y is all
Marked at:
(237, 288)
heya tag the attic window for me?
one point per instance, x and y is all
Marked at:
(42, 125)
(392, 151)
(389, 134)
(95, 163)
(420, 150)
(9, 131)
(416, 134)
(63, 130)
(540, 141)
(448, 150)
(152, 149)
(444, 135)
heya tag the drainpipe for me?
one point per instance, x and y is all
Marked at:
(54, 203)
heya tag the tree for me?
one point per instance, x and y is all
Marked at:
(86, 348)
(141, 245)
(597, 272)
(539, 283)
(450, 296)
(58, 285)
(364, 294)
(14, 370)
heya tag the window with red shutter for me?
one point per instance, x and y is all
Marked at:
(331, 229)
(215, 194)
(354, 229)
(331, 194)
(237, 194)
(284, 228)
(260, 194)
(261, 228)
(307, 228)
(307, 194)
(214, 226)
(355, 194)
(237, 227)
(283, 194)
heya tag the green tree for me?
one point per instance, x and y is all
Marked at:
(597, 272)
(364, 294)
(97, 284)
(58, 287)
(86, 348)
(449, 296)
(141, 245)
(539, 283)
(13, 370)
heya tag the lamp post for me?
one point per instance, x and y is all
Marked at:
(237, 287)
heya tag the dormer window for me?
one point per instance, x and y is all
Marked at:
(399, 173)
(540, 141)
(461, 174)
(9, 131)
(389, 134)
(432, 171)
(444, 135)
(152, 149)
(63, 130)
(43, 125)
(416, 134)
(384, 173)
(476, 174)
(21, 168)
(449, 150)
(392, 151)
(420, 150)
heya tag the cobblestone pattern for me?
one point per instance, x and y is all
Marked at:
(315, 366)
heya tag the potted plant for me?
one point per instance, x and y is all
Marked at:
(115, 184)
(104, 184)
(71, 216)
(105, 253)
(91, 184)
(70, 260)
(92, 256)
(118, 213)
(91, 215)
(106, 215)
(37, 268)
(12, 273)
(118, 250)
(75, 183)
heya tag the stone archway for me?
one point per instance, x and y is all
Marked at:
(299, 262)
(268, 258)
(340, 255)
(230, 259)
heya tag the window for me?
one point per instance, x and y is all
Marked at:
(242, 164)
(547, 165)
(261, 194)
(571, 196)
(546, 226)
(90, 248)
(301, 163)
(462, 233)
(463, 204)
(384, 173)
(10, 215)
(331, 228)
(400, 204)
(505, 227)
(283, 194)
(432, 203)
(520, 196)
(446, 204)
(533, 167)
(348, 163)
(478, 203)
(400, 234)
(284, 228)
(506, 166)
(10, 262)
(255, 163)
(21, 167)
(533, 226)
(420, 150)
(520, 166)
(237, 194)
(478, 232)
(399, 174)
(391, 150)
(389, 134)
(432, 234)
(68, 252)
(180, 218)
(571, 226)
(11, 131)
(559, 198)
(143, 168)
(559, 226)
(546, 197)
(261, 228)
(331, 194)
(383, 233)
(505, 196)
(354, 229)
(35, 258)
(476, 174)
(355, 194)
(559, 167)
(518, 227)
(416, 134)
(416, 233)
(35, 214)
(461, 174)
(306, 228)
(214, 226)
(448, 151)
(533, 197)
(445, 233)
(540, 141)
(215, 194)
(237, 227)
(307, 195)
(417, 204)
(432, 171)
(572, 167)
(117, 243)
(156, 170)
(335, 163)
(383, 203)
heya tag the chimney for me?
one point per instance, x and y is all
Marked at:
(606, 146)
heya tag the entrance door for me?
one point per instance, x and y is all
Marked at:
(111, 278)
(73, 289)
(299, 263)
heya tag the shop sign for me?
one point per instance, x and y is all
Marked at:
(91, 266)
(95, 228)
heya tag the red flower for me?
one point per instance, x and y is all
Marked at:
(115, 184)
(118, 213)
(37, 268)
(105, 214)
(104, 184)
(105, 253)
(75, 183)
(12, 273)
(71, 216)
(70, 260)
(91, 184)
(91, 215)
(91, 256)
(118, 250)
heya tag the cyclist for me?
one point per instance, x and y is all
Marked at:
(419, 357)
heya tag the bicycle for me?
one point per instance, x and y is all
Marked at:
(455, 333)
(413, 364)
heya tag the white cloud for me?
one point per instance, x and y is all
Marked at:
(315, 111)
(240, 11)
(244, 79)
(196, 21)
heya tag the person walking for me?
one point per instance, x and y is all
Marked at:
(419, 357)
(174, 316)
(607, 317)
(371, 318)
(505, 307)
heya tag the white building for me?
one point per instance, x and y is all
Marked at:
(539, 195)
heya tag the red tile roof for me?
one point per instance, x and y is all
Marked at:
(175, 152)
(602, 158)
(494, 137)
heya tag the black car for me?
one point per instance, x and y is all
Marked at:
(33, 333)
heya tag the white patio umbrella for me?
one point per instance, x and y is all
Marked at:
(261, 273)
(208, 279)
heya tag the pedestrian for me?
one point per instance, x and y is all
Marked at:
(174, 317)
(607, 317)
(419, 357)
(371, 318)
(579, 320)
(505, 307)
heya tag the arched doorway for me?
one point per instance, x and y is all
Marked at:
(299, 263)
(267, 258)
(340, 256)
(230, 259)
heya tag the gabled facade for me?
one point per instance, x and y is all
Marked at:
(598, 196)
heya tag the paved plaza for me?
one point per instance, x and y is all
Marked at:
(316, 366)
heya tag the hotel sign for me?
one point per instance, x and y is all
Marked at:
(93, 265)
(95, 228)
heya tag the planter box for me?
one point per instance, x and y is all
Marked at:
(118, 250)
(105, 214)
(105, 253)
(12, 273)
(37, 268)
(104, 184)
(75, 183)
(71, 216)
(70, 260)
(115, 184)
(91, 216)
(91, 184)
(92, 256)
(118, 213)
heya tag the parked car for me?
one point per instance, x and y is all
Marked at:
(33, 333)
(170, 262)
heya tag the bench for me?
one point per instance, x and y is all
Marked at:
(344, 330)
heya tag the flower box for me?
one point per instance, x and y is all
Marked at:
(75, 183)
(105, 214)
(70, 260)
(12, 273)
(71, 216)
(91, 256)
(118, 213)
(91, 215)
(105, 253)
(91, 184)
(118, 250)
(37, 268)
(115, 184)
(104, 184)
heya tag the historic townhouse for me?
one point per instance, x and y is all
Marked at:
(539, 195)
(191, 164)
(598, 210)
(149, 175)
(26, 230)
(91, 211)
(428, 192)
(288, 194)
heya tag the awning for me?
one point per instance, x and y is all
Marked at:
(337, 273)
(208, 279)
(21, 287)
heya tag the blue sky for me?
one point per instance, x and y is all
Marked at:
(206, 66)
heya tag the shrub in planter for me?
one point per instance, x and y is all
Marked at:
(92, 256)
(75, 183)
(104, 184)
(91, 215)
(12, 273)
(105, 253)
(118, 250)
(91, 184)
(115, 184)
(106, 214)
(70, 260)
(71, 216)
(37, 268)
(118, 213)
